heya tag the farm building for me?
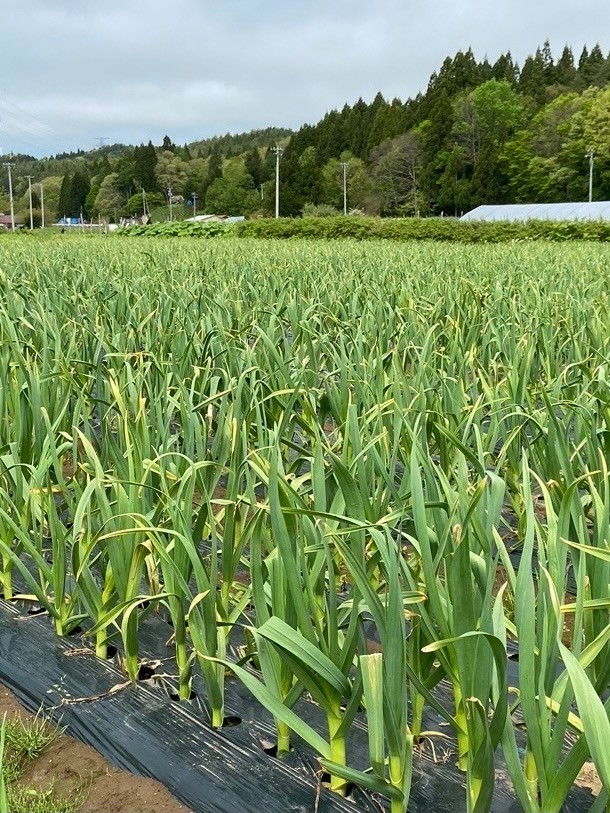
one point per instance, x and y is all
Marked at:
(5, 222)
(597, 210)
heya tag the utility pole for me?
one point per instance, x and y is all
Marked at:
(41, 205)
(169, 198)
(10, 167)
(194, 196)
(344, 166)
(278, 154)
(591, 156)
(29, 177)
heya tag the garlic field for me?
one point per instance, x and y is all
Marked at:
(347, 472)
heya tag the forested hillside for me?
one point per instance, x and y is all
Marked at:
(480, 133)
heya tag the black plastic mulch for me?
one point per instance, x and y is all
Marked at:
(143, 731)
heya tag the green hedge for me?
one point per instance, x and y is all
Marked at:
(375, 228)
(365, 228)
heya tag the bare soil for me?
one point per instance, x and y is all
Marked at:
(74, 769)
(589, 778)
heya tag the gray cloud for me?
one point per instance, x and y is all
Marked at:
(137, 70)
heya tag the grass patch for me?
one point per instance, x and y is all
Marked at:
(26, 800)
(22, 742)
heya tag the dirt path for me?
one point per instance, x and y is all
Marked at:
(75, 768)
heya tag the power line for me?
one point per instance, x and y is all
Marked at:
(22, 112)
(22, 133)
(19, 122)
(23, 128)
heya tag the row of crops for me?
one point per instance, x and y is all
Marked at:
(370, 468)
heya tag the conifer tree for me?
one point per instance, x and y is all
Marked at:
(358, 127)
(583, 60)
(565, 69)
(214, 167)
(63, 205)
(254, 166)
(144, 170)
(168, 145)
(532, 79)
(593, 66)
(504, 68)
(79, 189)
(548, 64)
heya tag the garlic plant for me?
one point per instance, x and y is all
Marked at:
(316, 443)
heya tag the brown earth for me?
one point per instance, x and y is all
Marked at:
(589, 778)
(73, 769)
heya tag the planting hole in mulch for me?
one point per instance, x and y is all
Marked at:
(349, 788)
(146, 671)
(271, 749)
(177, 699)
(231, 721)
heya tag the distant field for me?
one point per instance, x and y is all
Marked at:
(314, 439)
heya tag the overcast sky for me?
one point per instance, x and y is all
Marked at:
(134, 70)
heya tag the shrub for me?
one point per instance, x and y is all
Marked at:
(319, 210)
(439, 229)
(335, 227)
(178, 229)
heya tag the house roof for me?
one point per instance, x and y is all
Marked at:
(5, 220)
(597, 210)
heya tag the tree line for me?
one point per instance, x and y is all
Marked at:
(479, 133)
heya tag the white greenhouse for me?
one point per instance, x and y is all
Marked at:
(597, 210)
